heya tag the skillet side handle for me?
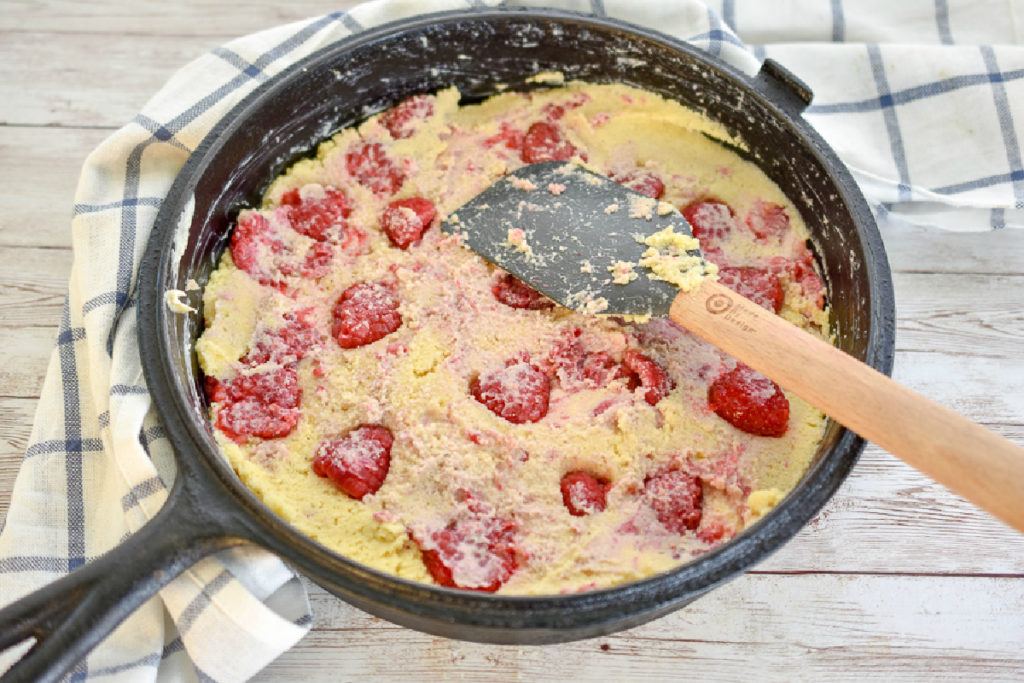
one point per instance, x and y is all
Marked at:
(70, 616)
(779, 85)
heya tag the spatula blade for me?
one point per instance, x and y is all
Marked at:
(564, 231)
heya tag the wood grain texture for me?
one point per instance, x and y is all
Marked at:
(187, 18)
(896, 578)
(782, 628)
(23, 359)
(16, 416)
(105, 90)
(33, 285)
(40, 180)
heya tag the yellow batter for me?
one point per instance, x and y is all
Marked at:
(450, 448)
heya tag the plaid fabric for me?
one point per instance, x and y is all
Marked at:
(921, 98)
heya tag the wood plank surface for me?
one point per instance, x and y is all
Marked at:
(40, 186)
(106, 90)
(767, 627)
(895, 579)
(220, 20)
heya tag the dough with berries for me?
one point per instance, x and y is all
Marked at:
(409, 405)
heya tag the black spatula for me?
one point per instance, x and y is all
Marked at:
(574, 226)
(560, 228)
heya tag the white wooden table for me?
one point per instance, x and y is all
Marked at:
(896, 578)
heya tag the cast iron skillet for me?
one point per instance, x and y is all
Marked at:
(208, 509)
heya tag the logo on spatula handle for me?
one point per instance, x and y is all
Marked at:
(718, 303)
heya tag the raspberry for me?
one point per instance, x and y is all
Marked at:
(511, 138)
(553, 112)
(252, 237)
(802, 271)
(711, 532)
(317, 262)
(511, 291)
(472, 553)
(651, 375)
(599, 368)
(315, 216)
(364, 313)
(369, 164)
(405, 220)
(518, 392)
(356, 462)
(543, 142)
(642, 181)
(767, 220)
(286, 344)
(750, 402)
(261, 404)
(574, 365)
(712, 222)
(813, 288)
(583, 493)
(403, 119)
(759, 285)
(677, 499)
(353, 239)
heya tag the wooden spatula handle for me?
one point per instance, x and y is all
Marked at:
(980, 465)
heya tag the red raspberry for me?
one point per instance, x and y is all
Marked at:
(813, 288)
(543, 142)
(767, 220)
(511, 291)
(286, 344)
(573, 365)
(583, 493)
(251, 240)
(651, 375)
(712, 222)
(369, 164)
(711, 532)
(261, 404)
(353, 239)
(749, 401)
(317, 262)
(314, 217)
(553, 111)
(403, 119)
(599, 368)
(677, 499)
(642, 181)
(759, 285)
(511, 138)
(518, 392)
(566, 357)
(356, 462)
(801, 271)
(364, 313)
(472, 553)
(405, 220)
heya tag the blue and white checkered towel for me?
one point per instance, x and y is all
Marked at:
(923, 99)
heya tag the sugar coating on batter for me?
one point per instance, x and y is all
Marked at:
(407, 404)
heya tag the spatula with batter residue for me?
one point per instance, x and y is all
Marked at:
(559, 228)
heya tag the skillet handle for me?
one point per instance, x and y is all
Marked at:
(70, 616)
(782, 87)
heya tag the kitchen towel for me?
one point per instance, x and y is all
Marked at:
(923, 100)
